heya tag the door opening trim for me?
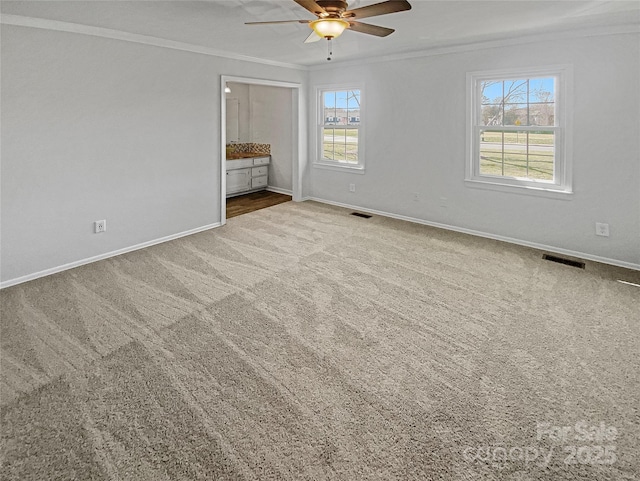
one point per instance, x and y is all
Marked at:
(297, 139)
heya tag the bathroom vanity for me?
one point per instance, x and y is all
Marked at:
(247, 172)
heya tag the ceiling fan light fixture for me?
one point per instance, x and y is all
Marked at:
(329, 27)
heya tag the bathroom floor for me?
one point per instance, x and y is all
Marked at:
(243, 204)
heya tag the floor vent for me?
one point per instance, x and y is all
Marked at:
(562, 260)
(364, 216)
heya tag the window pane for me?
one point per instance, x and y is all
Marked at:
(521, 154)
(515, 162)
(491, 91)
(491, 153)
(542, 89)
(327, 144)
(351, 145)
(491, 114)
(340, 145)
(515, 114)
(341, 107)
(542, 152)
(543, 115)
(515, 91)
(341, 99)
(354, 99)
(542, 101)
(353, 107)
(329, 107)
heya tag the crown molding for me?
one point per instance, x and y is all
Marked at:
(46, 24)
(488, 44)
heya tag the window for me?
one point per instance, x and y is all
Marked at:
(340, 128)
(518, 129)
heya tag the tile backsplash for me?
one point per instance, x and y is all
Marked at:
(240, 147)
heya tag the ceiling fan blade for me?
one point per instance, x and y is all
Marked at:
(313, 37)
(390, 6)
(370, 29)
(277, 21)
(313, 7)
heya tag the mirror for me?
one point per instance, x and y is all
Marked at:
(233, 114)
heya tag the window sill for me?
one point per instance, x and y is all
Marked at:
(353, 169)
(551, 193)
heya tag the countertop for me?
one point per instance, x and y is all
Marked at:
(245, 155)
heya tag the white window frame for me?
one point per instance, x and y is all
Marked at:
(321, 162)
(562, 176)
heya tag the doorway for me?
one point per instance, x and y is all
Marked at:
(266, 110)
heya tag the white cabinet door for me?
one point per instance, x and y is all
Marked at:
(238, 180)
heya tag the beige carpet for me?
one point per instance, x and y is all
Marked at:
(302, 343)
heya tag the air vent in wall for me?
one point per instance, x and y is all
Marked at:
(562, 260)
(358, 214)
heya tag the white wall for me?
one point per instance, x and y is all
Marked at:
(271, 123)
(415, 142)
(96, 128)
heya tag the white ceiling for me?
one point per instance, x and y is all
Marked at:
(219, 24)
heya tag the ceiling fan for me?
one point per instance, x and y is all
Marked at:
(334, 18)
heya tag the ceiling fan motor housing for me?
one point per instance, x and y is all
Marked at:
(334, 8)
(334, 17)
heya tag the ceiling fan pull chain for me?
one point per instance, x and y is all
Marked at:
(330, 47)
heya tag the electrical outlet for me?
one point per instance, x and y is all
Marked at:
(602, 229)
(352, 187)
(100, 226)
(443, 202)
(416, 196)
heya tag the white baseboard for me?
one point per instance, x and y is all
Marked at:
(511, 240)
(278, 190)
(71, 265)
(535, 245)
